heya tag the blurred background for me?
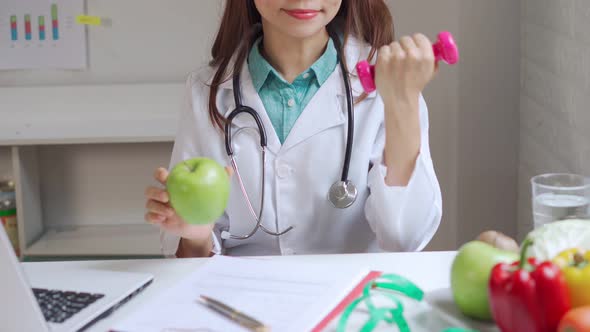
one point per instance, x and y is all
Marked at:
(82, 145)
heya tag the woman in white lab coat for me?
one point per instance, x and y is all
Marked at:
(399, 203)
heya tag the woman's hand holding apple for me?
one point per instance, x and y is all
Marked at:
(196, 239)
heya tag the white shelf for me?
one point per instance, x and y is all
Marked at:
(83, 201)
(41, 122)
(123, 240)
(73, 132)
(122, 113)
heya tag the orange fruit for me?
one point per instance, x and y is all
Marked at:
(576, 320)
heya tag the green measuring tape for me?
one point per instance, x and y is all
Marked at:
(393, 315)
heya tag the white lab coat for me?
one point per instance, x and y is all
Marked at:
(300, 172)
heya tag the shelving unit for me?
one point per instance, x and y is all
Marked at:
(123, 113)
(82, 168)
(84, 143)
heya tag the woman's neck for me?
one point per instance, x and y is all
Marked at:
(292, 56)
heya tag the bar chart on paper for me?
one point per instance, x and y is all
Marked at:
(37, 34)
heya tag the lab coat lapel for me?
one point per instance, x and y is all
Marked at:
(325, 110)
(328, 107)
(251, 98)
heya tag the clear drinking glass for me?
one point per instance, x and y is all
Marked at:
(560, 196)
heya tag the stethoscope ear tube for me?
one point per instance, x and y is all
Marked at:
(228, 124)
(225, 235)
(239, 109)
(349, 106)
(343, 193)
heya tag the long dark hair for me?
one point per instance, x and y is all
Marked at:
(368, 20)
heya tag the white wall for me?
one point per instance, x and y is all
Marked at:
(488, 116)
(555, 119)
(149, 41)
(473, 106)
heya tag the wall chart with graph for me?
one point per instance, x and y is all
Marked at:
(37, 34)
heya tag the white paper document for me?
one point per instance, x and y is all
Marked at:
(38, 34)
(284, 296)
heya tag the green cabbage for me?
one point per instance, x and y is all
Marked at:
(551, 239)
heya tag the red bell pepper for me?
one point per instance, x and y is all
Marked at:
(528, 296)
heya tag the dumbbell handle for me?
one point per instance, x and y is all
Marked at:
(444, 49)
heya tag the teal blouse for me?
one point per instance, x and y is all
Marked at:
(284, 102)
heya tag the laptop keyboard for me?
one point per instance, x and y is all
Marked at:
(57, 306)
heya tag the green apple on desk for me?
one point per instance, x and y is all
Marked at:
(199, 190)
(470, 273)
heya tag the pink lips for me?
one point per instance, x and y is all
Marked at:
(303, 14)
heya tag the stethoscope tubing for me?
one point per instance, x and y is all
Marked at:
(263, 144)
(349, 106)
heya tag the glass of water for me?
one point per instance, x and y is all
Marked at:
(560, 196)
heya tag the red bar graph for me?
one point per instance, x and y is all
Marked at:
(28, 29)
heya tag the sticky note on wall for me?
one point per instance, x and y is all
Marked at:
(88, 20)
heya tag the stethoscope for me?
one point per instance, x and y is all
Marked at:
(343, 193)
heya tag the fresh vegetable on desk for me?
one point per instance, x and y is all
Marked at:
(470, 273)
(499, 240)
(576, 320)
(528, 295)
(575, 265)
(555, 237)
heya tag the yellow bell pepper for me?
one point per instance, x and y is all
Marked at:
(575, 265)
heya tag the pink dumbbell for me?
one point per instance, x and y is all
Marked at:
(444, 49)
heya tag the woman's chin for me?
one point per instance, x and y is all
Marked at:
(303, 31)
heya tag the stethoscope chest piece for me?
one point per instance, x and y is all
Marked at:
(342, 194)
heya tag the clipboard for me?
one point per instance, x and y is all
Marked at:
(281, 295)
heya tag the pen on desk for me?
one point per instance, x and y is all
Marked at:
(233, 314)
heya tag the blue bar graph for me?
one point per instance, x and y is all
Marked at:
(41, 27)
(13, 28)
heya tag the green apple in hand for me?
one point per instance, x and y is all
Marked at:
(199, 190)
(470, 273)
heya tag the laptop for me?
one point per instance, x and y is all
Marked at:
(45, 299)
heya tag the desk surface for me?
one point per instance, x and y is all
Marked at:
(429, 270)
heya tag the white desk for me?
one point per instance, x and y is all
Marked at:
(429, 270)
